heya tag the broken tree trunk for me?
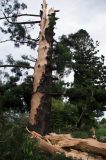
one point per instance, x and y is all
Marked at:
(76, 148)
(39, 118)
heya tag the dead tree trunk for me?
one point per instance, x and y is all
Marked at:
(39, 118)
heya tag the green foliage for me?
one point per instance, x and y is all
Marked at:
(80, 134)
(16, 89)
(16, 96)
(18, 33)
(87, 65)
(101, 132)
(88, 89)
(64, 116)
(62, 59)
(103, 121)
(16, 144)
(58, 89)
(57, 115)
(12, 136)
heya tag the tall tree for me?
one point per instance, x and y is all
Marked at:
(39, 119)
(16, 85)
(42, 77)
(89, 76)
(17, 31)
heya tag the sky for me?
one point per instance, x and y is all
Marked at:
(73, 16)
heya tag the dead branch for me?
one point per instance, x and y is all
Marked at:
(7, 40)
(22, 42)
(15, 23)
(29, 59)
(17, 66)
(20, 15)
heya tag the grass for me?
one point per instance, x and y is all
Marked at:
(100, 133)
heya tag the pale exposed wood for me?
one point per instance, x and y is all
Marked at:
(78, 155)
(35, 102)
(40, 72)
(55, 138)
(44, 145)
(85, 149)
(88, 145)
(39, 68)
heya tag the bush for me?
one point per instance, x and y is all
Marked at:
(80, 134)
(16, 144)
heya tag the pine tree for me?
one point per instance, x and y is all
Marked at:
(89, 76)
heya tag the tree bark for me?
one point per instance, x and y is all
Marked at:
(39, 118)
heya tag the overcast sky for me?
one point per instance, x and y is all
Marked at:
(73, 15)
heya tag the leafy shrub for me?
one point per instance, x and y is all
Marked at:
(16, 144)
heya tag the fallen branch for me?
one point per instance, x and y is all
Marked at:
(85, 149)
(43, 143)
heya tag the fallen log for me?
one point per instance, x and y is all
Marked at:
(86, 145)
(45, 144)
(81, 149)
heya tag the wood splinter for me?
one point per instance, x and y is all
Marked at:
(71, 147)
